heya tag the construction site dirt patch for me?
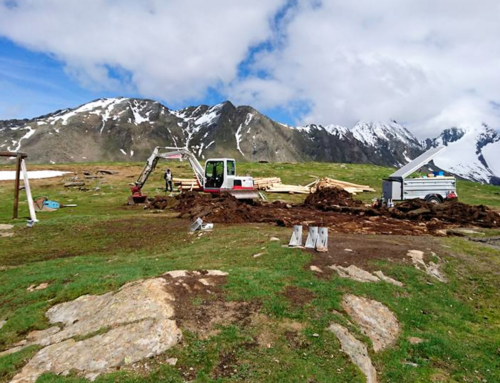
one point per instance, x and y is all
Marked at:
(334, 209)
(298, 296)
(346, 250)
(452, 212)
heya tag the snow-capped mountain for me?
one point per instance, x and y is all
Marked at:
(472, 153)
(127, 129)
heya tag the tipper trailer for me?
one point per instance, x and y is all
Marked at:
(434, 189)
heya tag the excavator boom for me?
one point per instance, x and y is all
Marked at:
(175, 153)
(216, 182)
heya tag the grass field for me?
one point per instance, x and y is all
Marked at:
(102, 244)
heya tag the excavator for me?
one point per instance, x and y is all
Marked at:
(219, 174)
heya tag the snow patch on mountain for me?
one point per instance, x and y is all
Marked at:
(462, 156)
(136, 109)
(336, 130)
(94, 107)
(491, 154)
(210, 116)
(371, 133)
(238, 135)
(30, 130)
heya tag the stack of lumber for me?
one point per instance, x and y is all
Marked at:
(292, 189)
(262, 183)
(347, 186)
(274, 185)
(187, 184)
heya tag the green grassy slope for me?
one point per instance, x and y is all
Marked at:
(102, 244)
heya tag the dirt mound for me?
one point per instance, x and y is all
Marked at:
(453, 212)
(325, 198)
(324, 208)
(159, 202)
(216, 208)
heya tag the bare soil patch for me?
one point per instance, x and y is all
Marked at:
(298, 296)
(346, 250)
(200, 306)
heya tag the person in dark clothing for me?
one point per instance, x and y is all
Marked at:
(168, 180)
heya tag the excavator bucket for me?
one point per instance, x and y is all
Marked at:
(245, 194)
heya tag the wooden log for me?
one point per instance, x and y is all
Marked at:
(16, 186)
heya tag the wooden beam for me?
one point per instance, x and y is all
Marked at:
(16, 187)
(13, 154)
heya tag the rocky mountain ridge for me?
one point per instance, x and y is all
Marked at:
(127, 129)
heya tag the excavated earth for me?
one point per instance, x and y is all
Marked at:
(337, 210)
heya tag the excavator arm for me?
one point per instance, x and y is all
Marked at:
(174, 153)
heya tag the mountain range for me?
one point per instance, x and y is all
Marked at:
(127, 129)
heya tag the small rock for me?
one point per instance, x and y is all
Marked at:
(274, 239)
(258, 255)
(216, 273)
(316, 269)
(6, 234)
(41, 286)
(315, 335)
(410, 364)
(415, 340)
(356, 350)
(462, 232)
(376, 321)
(4, 226)
(355, 273)
(387, 279)
(432, 269)
(172, 361)
(348, 250)
(12, 350)
(204, 282)
(177, 273)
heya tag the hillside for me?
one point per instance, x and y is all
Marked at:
(269, 315)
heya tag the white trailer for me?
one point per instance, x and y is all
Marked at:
(431, 189)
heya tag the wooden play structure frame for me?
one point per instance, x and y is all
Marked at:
(21, 167)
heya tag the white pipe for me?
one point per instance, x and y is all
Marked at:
(31, 205)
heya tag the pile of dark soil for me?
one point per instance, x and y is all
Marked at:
(216, 208)
(323, 208)
(326, 198)
(159, 202)
(453, 212)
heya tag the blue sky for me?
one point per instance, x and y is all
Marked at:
(33, 84)
(423, 63)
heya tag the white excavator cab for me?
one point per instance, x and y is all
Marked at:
(220, 176)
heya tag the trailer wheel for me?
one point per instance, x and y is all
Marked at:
(434, 199)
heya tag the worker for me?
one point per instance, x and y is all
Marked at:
(168, 180)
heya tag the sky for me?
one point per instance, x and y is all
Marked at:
(426, 64)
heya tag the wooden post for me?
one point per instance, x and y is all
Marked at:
(16, 187)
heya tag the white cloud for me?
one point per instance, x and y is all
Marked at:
(172, 50)
(429, 64)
